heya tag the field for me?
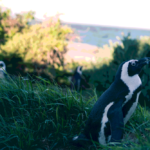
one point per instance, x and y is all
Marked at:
(39, 115)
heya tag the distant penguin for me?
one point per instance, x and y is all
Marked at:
(2, 70)
(76, 79)
(115, 106)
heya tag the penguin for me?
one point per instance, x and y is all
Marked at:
(3, 74)
(115, 106)
(76, 79)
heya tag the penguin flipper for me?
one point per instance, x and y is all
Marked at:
(115, 116)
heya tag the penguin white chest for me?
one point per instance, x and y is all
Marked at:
(132, 82)
(2, 75)
(132, 85)
(132, 109)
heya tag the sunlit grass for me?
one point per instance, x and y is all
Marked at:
(42, 115)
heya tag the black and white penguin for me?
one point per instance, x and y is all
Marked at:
(115, 106)
(76, 79)
(3, 74)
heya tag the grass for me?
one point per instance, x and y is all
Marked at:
(39, 115)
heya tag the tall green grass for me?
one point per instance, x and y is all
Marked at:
(40, 115)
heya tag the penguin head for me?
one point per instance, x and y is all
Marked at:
(79, 70)
(131, 67)
(2, 66)
(135, 66)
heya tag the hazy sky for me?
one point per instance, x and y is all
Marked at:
(123, 13)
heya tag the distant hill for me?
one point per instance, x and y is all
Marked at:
(98, 35)
(35, 21)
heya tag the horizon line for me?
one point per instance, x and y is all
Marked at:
(113, 26)
(102, 25)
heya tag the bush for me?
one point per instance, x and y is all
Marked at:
(35, 46)
(102, 74)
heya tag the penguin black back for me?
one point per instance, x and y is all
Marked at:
(76, 79)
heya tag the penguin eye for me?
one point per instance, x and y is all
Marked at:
(133, 63)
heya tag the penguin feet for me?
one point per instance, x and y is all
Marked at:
(81, 141)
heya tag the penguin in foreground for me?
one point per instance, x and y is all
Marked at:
(3, 75)
(76, 79)
(115, 106)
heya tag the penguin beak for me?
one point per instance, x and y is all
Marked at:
(144, 61)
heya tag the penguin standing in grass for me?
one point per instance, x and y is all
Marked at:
(115, 106)
(3, 75)
(76, 79)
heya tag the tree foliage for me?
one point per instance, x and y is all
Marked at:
(36, 45)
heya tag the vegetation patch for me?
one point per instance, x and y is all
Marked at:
(45, 116)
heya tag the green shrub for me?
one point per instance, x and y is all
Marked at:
(102, 74)
(36, 46)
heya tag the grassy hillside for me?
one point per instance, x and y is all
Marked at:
(44, 116)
